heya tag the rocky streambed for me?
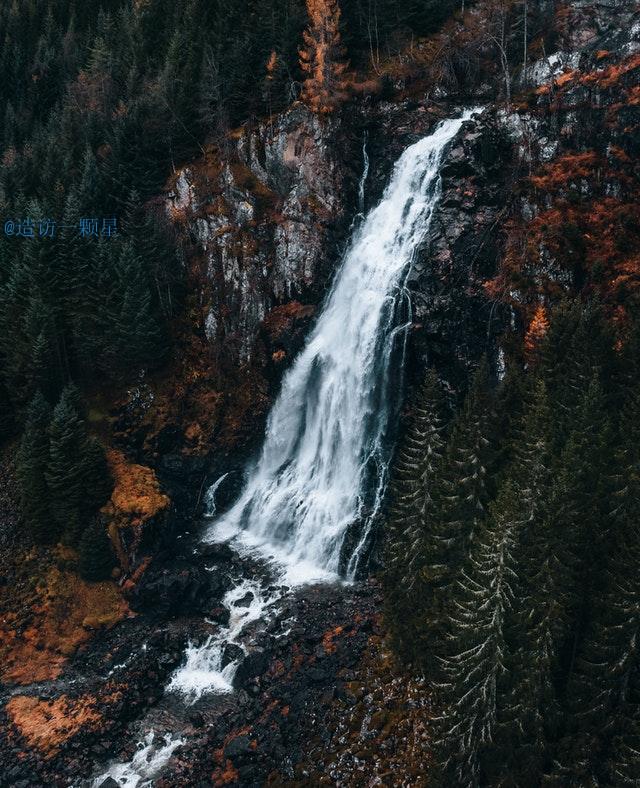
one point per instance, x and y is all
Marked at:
(113, 716)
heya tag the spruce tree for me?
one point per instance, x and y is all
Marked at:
(416, 468)
(97, 480)
(140, 338)
(65, 469)
(529, 708)
(31, 466)
(473, 660)
(622, 768)
(463, 493)
(603, 692)
(7, 416)
(96, 552)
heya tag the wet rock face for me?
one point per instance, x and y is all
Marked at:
(265, 216)
(452, 320)
(454, 323)
(178, 589)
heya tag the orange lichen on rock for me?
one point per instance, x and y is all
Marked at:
(45, 725)
(136, 493)
(328, 640)
(62, 619)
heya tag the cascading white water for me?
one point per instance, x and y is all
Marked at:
(325, 456)
(149, 760)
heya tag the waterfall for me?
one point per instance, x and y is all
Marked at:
(324, 460)
(326, 450)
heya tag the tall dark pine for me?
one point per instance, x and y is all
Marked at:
(98, 483)
(96, 553)
(140, 337)
(416, 468)
(7, 416)
(32, 461)
(463, 492)
(604, 692)
(473, 657)
(65, 471)
(530, 708)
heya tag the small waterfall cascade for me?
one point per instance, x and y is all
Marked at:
(325, 455)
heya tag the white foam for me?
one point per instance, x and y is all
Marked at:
(149, 760)
(202, 670)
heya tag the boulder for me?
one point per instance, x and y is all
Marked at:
(231, 653)
(251, 667)
(179, 589)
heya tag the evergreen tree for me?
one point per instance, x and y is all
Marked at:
(98, 482)
(65, 469)
(623, 766)
(464, 493)
(474, 658)
(139, 336)
(96, 553)
(7, 417)
(603, 693)
(417, 465)
(31, 465)
(529, 708)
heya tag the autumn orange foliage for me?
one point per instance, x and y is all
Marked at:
(322, 60)
(62, 617)
(536, 332)
(566, 169)
(136, 493)
(603, 78)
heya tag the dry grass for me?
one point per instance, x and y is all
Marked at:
(45, 725)
(62, 619)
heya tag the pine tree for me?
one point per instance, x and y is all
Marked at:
(474, 657)
(583, 512)
(416, 468)
(622, 769)
(96, 552)
(139, 336)
(529, 708)
(464, 492)
(603, 692)
(7, 416)
(97, 476)
(65, 469)
(32, 460)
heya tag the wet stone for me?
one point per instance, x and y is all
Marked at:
(245, 601)
(231, 653)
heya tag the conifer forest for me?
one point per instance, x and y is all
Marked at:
(320, 393)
